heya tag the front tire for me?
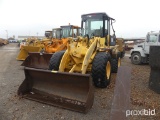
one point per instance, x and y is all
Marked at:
(101, 69)
(136, 58)
(55, 60)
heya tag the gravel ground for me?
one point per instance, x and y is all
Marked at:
(14, 108)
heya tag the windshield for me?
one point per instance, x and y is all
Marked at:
(66, 32)
(47, 34)
(92, 27)
(76, 32)
(57, 33)
(152, 38)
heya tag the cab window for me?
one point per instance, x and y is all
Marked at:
(152, 38)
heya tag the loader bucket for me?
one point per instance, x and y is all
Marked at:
(37, 60)
(73, 91)
(25, 50)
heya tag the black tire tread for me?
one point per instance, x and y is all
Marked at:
(55, 60)
(99, 69)
(132, 59)
(123, 53)
(114, 63)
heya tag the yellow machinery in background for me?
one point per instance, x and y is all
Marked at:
(3, 41)
(60, 38)
(121, 46)
(59, 42)
(53, 42)
(32, 45)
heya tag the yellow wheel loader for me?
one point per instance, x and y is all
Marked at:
(89, 59)
(32, 45)
(60, 35)
(58, 43)
(40, 59)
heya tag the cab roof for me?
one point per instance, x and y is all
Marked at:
(96, 15)
(72, 26)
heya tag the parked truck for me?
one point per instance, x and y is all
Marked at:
(140, 52)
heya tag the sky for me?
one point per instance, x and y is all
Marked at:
(134, 18)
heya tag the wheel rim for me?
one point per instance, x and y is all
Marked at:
(119, 62)
(108, 70)
(136, 58)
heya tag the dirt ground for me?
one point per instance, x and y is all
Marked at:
(14, 108)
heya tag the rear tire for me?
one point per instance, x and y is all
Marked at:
(101, 69)
(55, 60)
(123, 53)
(116, 62)
(136, 58)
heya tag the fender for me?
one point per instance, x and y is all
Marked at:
(138, 49)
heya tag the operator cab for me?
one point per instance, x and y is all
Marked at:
(98, 25)
(70, 31)
(57, 33)
(48, 34)
(153, 37)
